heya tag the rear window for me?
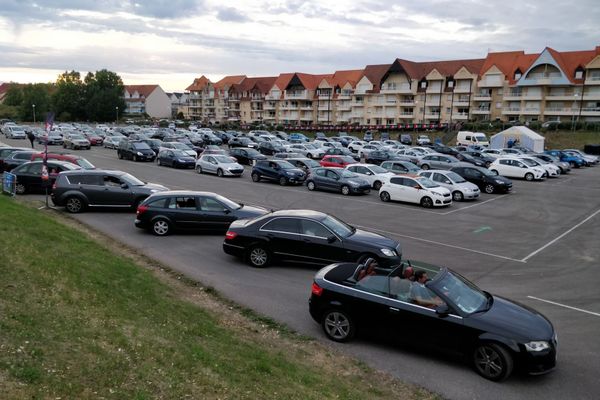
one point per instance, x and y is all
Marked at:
(287, 225)
(141, 146)
(159, 203)
(85, 179)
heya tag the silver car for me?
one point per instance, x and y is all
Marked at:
(307, 150)
(564, 166)
(439, 161)
(219, 164)
(111, 142)
(460, 188)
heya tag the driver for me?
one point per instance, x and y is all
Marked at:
(421, 295)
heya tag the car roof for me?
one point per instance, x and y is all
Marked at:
(96, 172)
(300, 213)
(184, 193)
(414, 176)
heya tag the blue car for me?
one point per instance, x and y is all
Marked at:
(574, 161)
(298, 136)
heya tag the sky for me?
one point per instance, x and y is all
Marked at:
(171, 42)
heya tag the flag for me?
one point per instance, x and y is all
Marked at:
(49, 122)
(48, 126)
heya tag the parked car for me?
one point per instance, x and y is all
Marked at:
(379, 156)
(82, 189)
(335, 179)
(135, 150)
(368, 136)
(464, 157)
(590, 159)
(337, 161)
(53, 138)
(372, 173)
(487, 159)
(15, 132)
(306, 236)
(278, 170)
(270, 148)
(307, 150)
(220, 165)
(307, 164)
(493, 152)
(564, 166)
(242, 141)
(367, 149)
(298, 136)
(445, 312)
(443, 149)
(573, 160)
(175, 159)
(438, 161)
(551, 169)
(94, 139)
(5, 152)
(472, 138)
(423, 139)
(400, 167)
(356, 145)
(75, 141)
(178, 146)
(71, 158)
(486, 180)
(286, 155)
(246, 156)
(211, 138)
(341, 152)
(512, 167)
(154, 144)
(112, 142)
(406, 139)
(29, 175)
(166, 212)
(415, 189)
(15, 158)
(460, 188)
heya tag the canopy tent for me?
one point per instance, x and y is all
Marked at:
(519, 135)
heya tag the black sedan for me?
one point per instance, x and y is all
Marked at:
(242, 142)
(306, 236)
(481, 156)
(269, 148)
(279, 171)
(336, 151)
(379, 156)
(165, 212)
(438, 308)
(246, 156)
(5, 152)
(29, 175)
(485, 179)
(175, 158)
(464, 157)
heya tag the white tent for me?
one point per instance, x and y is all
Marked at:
(521, 136)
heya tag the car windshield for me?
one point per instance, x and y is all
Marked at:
(529, 162)
(462, 293)
(132, 180)
(348, 159)
(223, 159)
(456, 178)
(410, 167)
(180, 146)
(85, 164)
(378, 170)
(486, 172)
(427, 183)
(285, 165)
(347, 174)
(340, 228)
(179, 153)
(311, 163)
(481, 138)
(228, 203)
(252, 152)
(76, 137)
(141, 146)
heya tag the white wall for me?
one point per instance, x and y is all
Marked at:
(158, 104)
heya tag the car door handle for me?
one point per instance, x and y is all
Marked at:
(394, 310)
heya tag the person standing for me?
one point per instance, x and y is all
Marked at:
(31, 137)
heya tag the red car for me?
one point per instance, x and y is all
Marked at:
(95, 140)
(72, 158)
(337, 161)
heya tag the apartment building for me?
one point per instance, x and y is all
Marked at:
(506, 86)
(147, 99)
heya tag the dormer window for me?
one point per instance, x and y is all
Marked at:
(450, 83)
(579, 73)
(423, 84)
(517, 75)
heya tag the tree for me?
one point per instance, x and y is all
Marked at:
(68, 99)
(38, 94)
(103, 95)
(14, 95)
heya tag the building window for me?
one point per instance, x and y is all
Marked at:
(579, 74)
(423, 84)
(450, 84)
(517, 75)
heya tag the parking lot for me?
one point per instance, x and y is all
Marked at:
(537, 245)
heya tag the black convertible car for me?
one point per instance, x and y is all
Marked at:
(446, 312)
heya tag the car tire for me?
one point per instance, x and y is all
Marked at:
(489, 188)
(20, 188)
(426, 202)
(425, 166)
(338, 325)
(158, 162)
(198, 169)
(161, 227)
(529, 176)
(345, 190)
(457, 196)
(376, 185)
(220, 173)
(74, 205)
(493, 171)
(572, 164)
(283, 181)
(492, 361)
(135, 158)
(120, 155)
(311, 185)
(64, 146)
(309, 155)
(259, 256)
(255, 177)
(384, 196)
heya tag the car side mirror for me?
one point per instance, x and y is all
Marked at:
(369, 173)
(331, 239)
(442, 310)
(227, 211)
(124, 186)
(417, 187)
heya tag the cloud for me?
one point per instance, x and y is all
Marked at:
(228, 14)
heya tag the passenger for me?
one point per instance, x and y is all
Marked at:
(421, 295)
(369, 269)
(400, 286)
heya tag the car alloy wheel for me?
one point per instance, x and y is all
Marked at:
(282, 181)
(425, 166)
(20, 188)
(220, 173)
(492, 362)
(74, 205)
(310, 185)
(345, 190)
(161, 227)
(376, 185)
(457, 196)
(198, 169)
(489, 188)
(338, 325)
(258, 257)
(529, 176)
(427, 202)
(255, 177)
(384, 196)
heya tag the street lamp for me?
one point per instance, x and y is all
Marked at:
(573, 125)
(117, 112)
(33, 107)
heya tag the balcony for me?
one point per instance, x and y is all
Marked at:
(482, 97)
(461, 102)
(512, 96)
(590, 96)
(490, 83)
(273, 97)
(559, 97)
(590, 112)
(393, 88)
(560, 111)
(511, 110)
(432, 115)
(434, 89)
(462, 89)
(592, 80)
(407, 103)
(480, 111)
(296, 95)
(532, 96)
(357, 104)
(307, 117)
(306, 108)
(531, 111)
(344, 96)
(325, 107)
(460, 116)
(344, 106)
(268, 106)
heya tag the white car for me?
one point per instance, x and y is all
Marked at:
(356, 145)
(513, 167)
(423, 150)
(329, 145)
(367, 149)
(307, 150)
(423, 139)
(219, 164)
(551, 169)
(15, 132)
(415, 189)
(372, 173)
(461, 189)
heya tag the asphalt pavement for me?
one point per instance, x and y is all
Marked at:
(538, 246)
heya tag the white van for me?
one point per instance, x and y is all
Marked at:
(466, 138)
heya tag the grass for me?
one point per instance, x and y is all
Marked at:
(79, 321)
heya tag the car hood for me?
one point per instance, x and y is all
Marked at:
(230, 165)
(375, 239)
(153, 186)
(466, 185)
(501, 178)
(514, 320)
(440, 190)
(251, 211)
(295, 171)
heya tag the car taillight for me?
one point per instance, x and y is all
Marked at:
(230, 235)
(316, 289)
(141, 209)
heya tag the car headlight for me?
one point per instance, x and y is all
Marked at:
(535, 346)
(353, 183)
(139, 153)
(498, 181)
(388, 252)
(180, 160)
(437, 194)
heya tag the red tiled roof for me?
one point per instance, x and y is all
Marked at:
(570, 60)
(340, 78)
(419, 70)
(198, 84)
(283, 80)
(4, 88)
(262, 84)
(228, 81)
(374, 74)
(143, 90)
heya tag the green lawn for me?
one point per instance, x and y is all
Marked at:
(79, 321)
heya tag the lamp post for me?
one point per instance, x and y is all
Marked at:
(117, 113)
(33, 107)
(573, 124)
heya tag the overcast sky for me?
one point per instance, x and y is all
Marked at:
(170, 42)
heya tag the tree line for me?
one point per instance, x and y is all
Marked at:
(98, 97)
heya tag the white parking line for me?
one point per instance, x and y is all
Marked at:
(478, 203)
(441, 244)
(565, 306)
(560, 237)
